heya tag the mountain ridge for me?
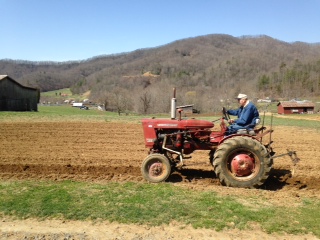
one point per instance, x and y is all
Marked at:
(215, 63)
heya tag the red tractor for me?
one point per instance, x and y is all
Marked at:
(239, 160)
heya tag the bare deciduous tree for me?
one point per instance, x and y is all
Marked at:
(145, 100)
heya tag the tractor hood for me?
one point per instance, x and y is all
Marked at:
(177, 124)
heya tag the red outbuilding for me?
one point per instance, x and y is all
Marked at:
(295, 107)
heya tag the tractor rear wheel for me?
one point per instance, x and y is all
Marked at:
(242, 162)
(156, 168)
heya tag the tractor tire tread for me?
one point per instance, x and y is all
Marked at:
(220, 167)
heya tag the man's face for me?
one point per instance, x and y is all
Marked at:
(242, 101)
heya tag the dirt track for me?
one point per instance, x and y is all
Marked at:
(100, 152)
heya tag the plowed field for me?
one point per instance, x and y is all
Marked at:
(114, 152)
(100, 152)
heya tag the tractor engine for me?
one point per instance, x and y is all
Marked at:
(183, 136)
(184, 142)
(180, 136)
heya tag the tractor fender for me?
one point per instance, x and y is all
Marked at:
(236, 135)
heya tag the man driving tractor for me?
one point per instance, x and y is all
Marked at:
(247, 113)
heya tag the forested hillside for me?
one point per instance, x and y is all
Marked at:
(205, 70)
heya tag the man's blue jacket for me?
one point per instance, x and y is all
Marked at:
(246, 115)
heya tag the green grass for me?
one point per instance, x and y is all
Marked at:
(302, 121)
(61, 95)
(56, 93)
(68, 113)
(152, 204)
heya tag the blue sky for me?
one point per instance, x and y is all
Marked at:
(64, 30)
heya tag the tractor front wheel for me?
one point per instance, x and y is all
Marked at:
(242, 162)
(156, 168)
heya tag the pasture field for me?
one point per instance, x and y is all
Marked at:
(59, 144)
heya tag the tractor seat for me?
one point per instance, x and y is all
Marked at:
(249, 131)
(250, 128)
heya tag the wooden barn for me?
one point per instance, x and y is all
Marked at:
(15, 97)
(295, 107)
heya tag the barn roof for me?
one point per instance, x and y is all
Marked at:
(2, 77)
(296, 104)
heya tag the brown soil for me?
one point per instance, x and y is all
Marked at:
(102, 152)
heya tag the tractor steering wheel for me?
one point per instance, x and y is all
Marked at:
(225, 114)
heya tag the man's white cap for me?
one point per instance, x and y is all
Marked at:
(242, 96)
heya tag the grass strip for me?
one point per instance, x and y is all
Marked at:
(152, 204)
(73, 114)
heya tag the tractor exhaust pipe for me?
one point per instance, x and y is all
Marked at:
(173, 104)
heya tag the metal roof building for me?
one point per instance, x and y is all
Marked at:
(295, 107)
(16, 97)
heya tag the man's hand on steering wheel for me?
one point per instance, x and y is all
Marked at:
(230, 121)
(225, 114)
